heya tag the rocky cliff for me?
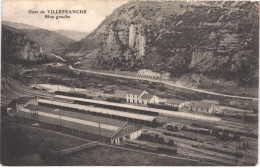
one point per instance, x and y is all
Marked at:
(210, 38)
(17, 47)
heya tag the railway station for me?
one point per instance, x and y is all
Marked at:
(111, 105)
(138, 109)
(114, 114)
(82, 125)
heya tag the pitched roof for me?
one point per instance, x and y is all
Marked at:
(135, 91)
(147, 96)
(12, 103)
(173, 101)
(200, 104)
(216, 102)
(23, 100)
(120, 94)
(74, 120)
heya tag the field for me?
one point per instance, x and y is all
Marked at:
(19, 141)
(22, 145)
(110, 156)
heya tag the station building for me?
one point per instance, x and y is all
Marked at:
(141, 97)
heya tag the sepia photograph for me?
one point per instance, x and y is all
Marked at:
(129, 83)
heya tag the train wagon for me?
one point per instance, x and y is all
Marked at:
(164, 107)
(73, 94)
(135, 143)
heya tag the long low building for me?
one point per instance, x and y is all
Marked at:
(115, 114)
(139, 109)
(84, 125)
(111, 105)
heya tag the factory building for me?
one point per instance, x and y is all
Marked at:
(83, 125)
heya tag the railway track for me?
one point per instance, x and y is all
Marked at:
(186, 149)
(29, 92)
(227, 125)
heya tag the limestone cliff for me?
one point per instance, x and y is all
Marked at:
(17, 47)
(219, 39)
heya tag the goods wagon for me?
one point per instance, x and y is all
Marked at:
(164, 107)
(72, 94)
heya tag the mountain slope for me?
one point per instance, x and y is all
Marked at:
(17, 47)
(75, 35)
(50, 41)
(218, 39)
(19, 25)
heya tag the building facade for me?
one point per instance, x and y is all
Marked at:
(199, 106)
(141, 97)
(135, 96)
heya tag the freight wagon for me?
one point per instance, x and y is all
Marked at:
(181, 135)
(135, 143)
(72, 94)
(116, 100)
(151, 146)
(220, 132)
(164, 107)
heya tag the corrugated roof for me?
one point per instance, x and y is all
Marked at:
(65, 123)
(100, 110)
(78, 121)
(173, 101)
(87, 117)
(147, 96)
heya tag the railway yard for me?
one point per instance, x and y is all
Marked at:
(202, 139)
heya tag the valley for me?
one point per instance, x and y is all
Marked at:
(155, 83)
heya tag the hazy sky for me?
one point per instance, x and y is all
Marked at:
(97, 10)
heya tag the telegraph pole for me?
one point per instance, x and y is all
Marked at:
(203, 155)
(60, 120)
(99, 131)
(244, 132)
(245, 154)
(236, 154)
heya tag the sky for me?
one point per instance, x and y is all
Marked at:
(97, 10)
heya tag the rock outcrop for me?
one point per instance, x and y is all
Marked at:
(17, 47)
(217, 38)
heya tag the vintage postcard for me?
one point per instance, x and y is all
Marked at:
(129, 83)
